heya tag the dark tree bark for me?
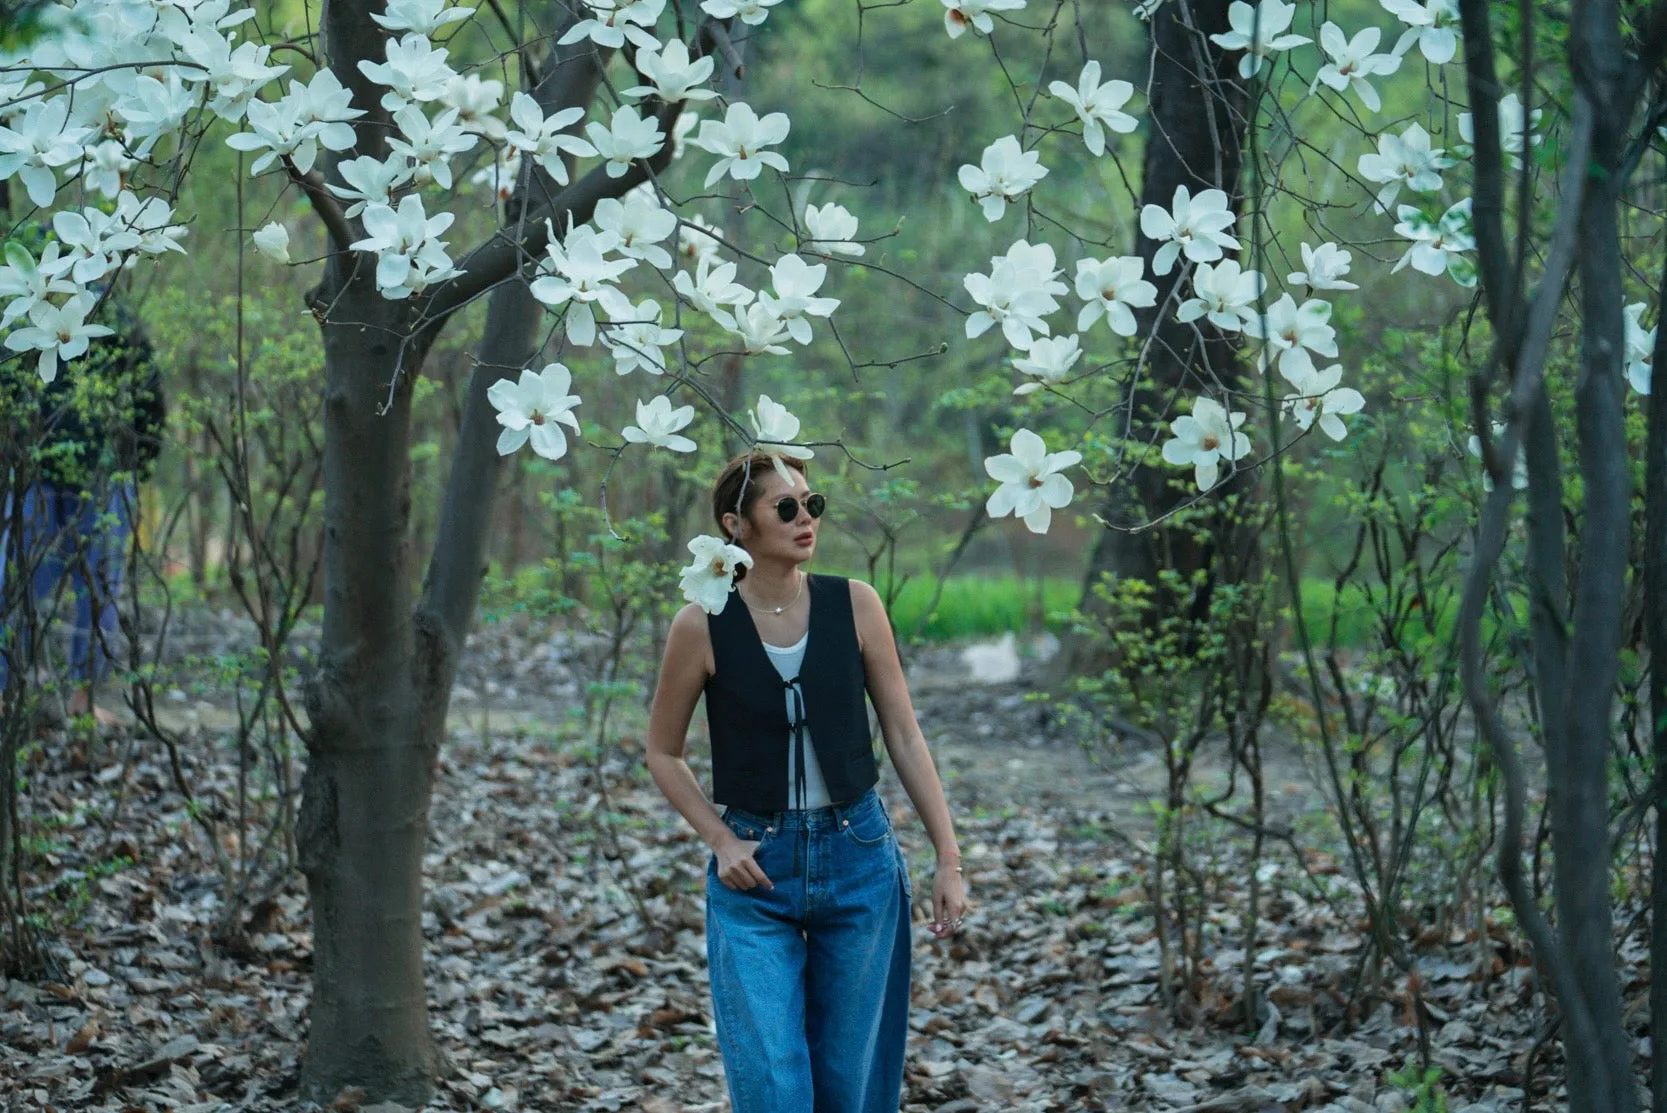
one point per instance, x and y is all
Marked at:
(1575, 649)
(1196, 113)
(378, 701)
(1655, 635)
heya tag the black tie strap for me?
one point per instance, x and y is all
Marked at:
(796, 731)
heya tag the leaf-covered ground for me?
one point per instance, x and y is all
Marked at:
(566, 954)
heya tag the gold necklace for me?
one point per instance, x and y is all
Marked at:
(775, 610)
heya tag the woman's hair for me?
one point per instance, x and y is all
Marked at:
(738, 488)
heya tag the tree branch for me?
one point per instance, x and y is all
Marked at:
(1526, 396)
(502, 257)
(324, 204)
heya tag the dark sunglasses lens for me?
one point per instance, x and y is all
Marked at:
(787, 507)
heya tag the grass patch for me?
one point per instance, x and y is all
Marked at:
(981, 606)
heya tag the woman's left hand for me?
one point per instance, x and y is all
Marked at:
(949, 900)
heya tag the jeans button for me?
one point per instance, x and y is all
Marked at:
(845, 823)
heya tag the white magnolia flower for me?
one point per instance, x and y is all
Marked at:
(1049, 361)
(794, 300)
(541, 137)
(422, 16)
(1640, 348)
(152, 219)
(1196, 226)
(96, 241)
(1511, 123)
(635, 337)
(775, 430)
(708, 579)
(760, 330)
(1404, 160)
(1326, 265)
(1353, 63)
(476, 100)
(832, 229)
(1430, 24)
(685, 123)
(26, 283)
(534, 410)
(1113, 288)
(1259, 32)
(1204, 438)
(750, 12)
(1017, 294)
(1005, 173)
(409, 253)
(276, 133)
(1097, 106)
(1225, 294)
(233, 74)
(272, 240)
(629, 138)
(105, 168)
(1032, 487)
(959, 15)
(1318, 398)
(1290, 332)
(577, 274)
(1440, 246)
(672, 76)
(427, 146)
(739, 141)
(713, 287)
(696, 239)
(322, 109)
(154, 109)
(659, 425)
(499, 177)
(370, 181)
(57, 332)
(611, 22)
(415, 70)
(38, 142)
(640, 223)
(1519, 466)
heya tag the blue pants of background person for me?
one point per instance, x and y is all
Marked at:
(810, 979)
(68, 533)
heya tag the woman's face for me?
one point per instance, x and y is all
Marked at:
(765, 535)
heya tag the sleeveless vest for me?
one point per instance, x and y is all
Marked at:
(747, 714)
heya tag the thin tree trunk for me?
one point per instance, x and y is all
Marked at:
(1655, 633)
(1578, 747)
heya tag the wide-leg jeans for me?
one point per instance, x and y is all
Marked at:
(810, 979)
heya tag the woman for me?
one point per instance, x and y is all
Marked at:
(807, 930)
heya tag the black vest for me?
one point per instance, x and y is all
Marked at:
(746, 705)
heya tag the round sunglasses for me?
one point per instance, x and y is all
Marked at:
(787, 507)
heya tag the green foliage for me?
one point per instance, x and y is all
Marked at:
(1422, 1088)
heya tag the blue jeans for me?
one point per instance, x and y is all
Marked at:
(67, 535)
(810, 979)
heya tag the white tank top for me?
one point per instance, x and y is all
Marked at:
(788, 660)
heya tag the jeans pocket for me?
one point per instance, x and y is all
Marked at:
(868, 826)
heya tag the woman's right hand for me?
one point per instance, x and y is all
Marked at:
(737, 867)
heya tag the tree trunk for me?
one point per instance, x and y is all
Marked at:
(378, 702)
(1197, 108)
(1655, 634)
(1578, 750)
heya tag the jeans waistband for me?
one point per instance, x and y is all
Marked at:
(809, 819)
